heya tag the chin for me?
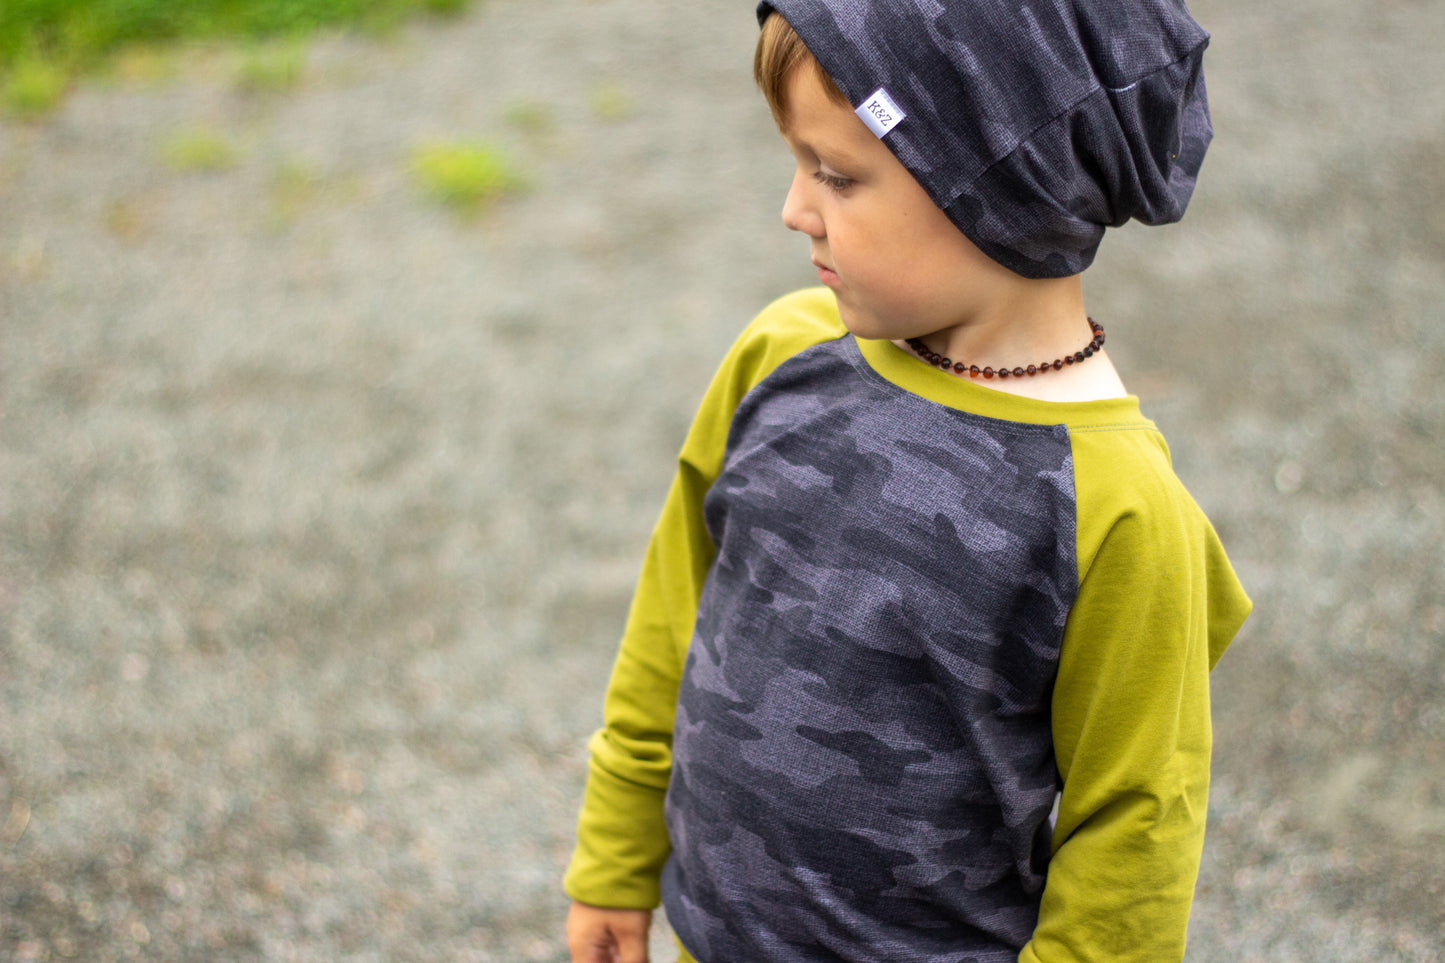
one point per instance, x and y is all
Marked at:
(866, 326)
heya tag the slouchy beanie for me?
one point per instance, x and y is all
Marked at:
(1033, 124)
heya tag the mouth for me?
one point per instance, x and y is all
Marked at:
(826, 275)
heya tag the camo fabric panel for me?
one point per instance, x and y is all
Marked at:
(863, 767)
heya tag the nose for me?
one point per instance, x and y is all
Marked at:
(798, 212)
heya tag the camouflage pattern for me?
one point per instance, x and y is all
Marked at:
(1033, 124)
(863, 766)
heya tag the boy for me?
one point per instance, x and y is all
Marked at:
(917, 668)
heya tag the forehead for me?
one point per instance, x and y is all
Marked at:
(815, 120)
(779, 84)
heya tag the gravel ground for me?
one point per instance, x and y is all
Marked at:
(319, 505)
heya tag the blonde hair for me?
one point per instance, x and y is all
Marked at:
(781, 51)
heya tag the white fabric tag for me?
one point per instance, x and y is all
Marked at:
(880, 113)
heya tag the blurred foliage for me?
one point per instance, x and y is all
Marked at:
(44, 42)
(145, 64)
(272, 67)
(32, 87)
(464, 176)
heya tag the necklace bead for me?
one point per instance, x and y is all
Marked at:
(974, 371)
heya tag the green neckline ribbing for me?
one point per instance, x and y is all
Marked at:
(895, 365)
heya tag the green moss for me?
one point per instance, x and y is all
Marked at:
(464, 176)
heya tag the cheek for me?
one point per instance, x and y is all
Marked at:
(882, 265)
(863, 251)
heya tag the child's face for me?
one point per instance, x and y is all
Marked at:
(898, 266)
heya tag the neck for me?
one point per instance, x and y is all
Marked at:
(1030, 322)
(1026, 321)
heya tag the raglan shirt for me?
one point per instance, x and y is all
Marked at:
(888, 623)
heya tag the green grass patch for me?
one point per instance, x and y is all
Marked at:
(273, 67)
(144, 64)
(200, 150)
(33, 87)
(72, 36)
(464, 176)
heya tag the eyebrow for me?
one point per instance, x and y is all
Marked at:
(835, 154)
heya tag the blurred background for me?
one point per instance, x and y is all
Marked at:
(344, 352)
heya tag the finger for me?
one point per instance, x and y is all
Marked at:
(632, 947)
(590, 952)
(589, 944)
(631, 937)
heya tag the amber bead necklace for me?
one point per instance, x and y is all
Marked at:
(974, 371)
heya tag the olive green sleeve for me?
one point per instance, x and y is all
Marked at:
(1157, 605)
(621, 839)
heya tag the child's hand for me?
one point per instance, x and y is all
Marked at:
(598, 935)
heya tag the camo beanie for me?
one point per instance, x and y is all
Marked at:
(1033, 124)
